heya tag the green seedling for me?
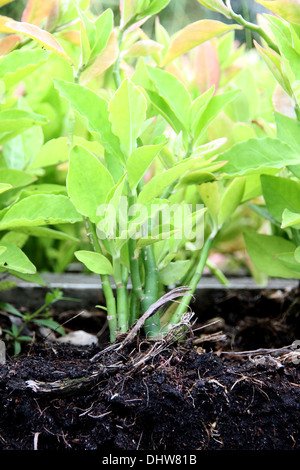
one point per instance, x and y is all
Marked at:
(41, 317)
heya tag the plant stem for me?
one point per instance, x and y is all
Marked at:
(152, 325)
(106, 286)
(182, 307)
(253, 27)
(122, 307)
(217, 273)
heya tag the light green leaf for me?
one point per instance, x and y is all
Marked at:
(290, 219)
(127, 113)
(288, 130)
(215, 5)
(279, 194)
(254, 155)
(264, 251)
(231, 199)
(287, 9)
(274, 62)
(4, 187)
(14, 259)
(211, 197)
(88, 182)
(161, 181)
(211, 110)
(15, 121)
(104, 25)
(297, 254)
(39, 209)
(16, 65)
(139, 161)
(16, 178)
(95, 109)
(95, 262)
(173, 91)
(193, 35)
(173, 272)
(289, 261)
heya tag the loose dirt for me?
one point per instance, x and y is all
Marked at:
(233, 385)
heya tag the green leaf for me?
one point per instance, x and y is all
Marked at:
(275, 65)
(193, 35)
(297, 254)
(211, 197)
(104, 25)
(139, 161)
(216, 5)
(161, 98)
(95, 109)
(254, 155)
(15, 121)
(39, 209)
(49, 323)
(88, 182)
(127, 113)
(264, 251)
(43, 37)
(20, 150)
(289, 261)
(279, 194)
(288, 130)
(173, 91)
(15, 178)
(14, 259)
(173, 272)
(16, 65)
(161, 181)
(53, 152)
(231, 199)
(211, 110)
(4, 187)
(290, 219)
(45, 232)
(287, 9)
(95, 262)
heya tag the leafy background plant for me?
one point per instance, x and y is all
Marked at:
(101, 102)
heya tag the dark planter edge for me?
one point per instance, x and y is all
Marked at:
(87, 290)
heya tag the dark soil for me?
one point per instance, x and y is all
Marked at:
(200, 394)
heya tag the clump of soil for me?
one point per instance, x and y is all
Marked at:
(236, 388)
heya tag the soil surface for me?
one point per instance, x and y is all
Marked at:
(233, 385)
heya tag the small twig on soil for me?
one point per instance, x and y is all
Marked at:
(289, 353)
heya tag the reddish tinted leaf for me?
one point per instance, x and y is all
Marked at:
(104, 60)
(8, 43)
(193, 35)
(207, 67)
(36, 11)
(43, 37)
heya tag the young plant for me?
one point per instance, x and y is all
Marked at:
(41, 317)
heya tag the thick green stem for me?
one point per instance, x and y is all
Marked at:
(106, 286)
(152, 325)
(185, 301)
(122, 301)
